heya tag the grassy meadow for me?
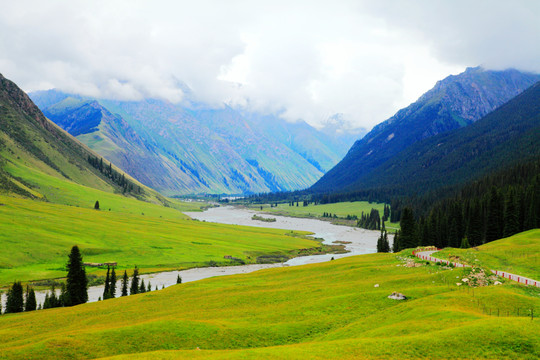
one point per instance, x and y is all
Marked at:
(341, 209)
(37, 236)
(518, 254)
(329, 310)
(154, 234)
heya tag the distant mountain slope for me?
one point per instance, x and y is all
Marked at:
(454, 102)
(322, 148)
(222, 154)
(32, 149)
(179, 150)
(508, 135)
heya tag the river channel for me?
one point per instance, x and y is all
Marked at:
(361, 241)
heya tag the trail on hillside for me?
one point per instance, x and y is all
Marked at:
(426, 255)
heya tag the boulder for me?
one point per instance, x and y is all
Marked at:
(397, 296)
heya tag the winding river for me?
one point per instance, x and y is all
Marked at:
(361, 241)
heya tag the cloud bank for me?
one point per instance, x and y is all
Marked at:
(305, 60)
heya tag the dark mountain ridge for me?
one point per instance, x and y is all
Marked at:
(454, 102)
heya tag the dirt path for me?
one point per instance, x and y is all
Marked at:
(426, 255)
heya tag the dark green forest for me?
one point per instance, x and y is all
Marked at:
(499, 205)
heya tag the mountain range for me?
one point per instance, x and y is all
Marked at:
(180, 149)
(379, 158)
(506, 136)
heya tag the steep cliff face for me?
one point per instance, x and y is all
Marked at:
(454, 102)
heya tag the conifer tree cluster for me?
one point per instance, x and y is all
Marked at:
(497, 206)
(137, 285)
(371, 221)
(18, 301)
(386, 212)
(329, 215)
(15, 300)
(382, 243)
(53, 301)
(115, 176)
(109, 290)
(500, 213)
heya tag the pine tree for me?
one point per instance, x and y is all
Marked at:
(379, 243)
(106, 290)
(474, 229)
(46, 302)
(396, 246)
(142, 287)
(15, 301)
(407, 234)
(385, 244)
(125, 284)
(51, 301)
(112, 286)
(134, 289)
(495, 217)
(77, 283)
(63, 295)
(149, 287)
(96, 205)
(178, 279)
(453, 237)
(511, 219)
(31, 303)
(465, 243)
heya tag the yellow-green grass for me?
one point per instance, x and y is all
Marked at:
(327, 310)
(518, 254)
(63, 191)
(341, 210)
(36, 237)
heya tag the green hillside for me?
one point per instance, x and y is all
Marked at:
(328, 310)
(518, 254)
(36, 156)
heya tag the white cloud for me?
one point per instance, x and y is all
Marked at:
(306, 59)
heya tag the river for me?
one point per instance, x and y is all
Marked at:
(361, 242)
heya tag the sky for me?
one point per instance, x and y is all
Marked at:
(309, 60)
